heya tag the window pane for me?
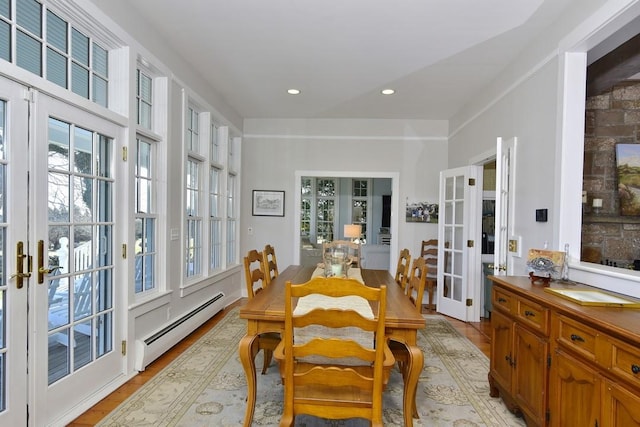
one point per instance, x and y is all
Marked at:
(145, 87)
(59, 137)
(80, 80)
(29, 16)
(56, 32)
(99, 91)
(100, 60)
(56, 68)
(83, 142)
(28, 53)
(80, 47)
(5, 8)
(5, 41)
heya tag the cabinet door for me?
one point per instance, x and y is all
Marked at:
(530, 374)
(621, 407)
(574, 390)
(501, 349)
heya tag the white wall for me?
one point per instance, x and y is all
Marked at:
(526, 102)
(273, 150)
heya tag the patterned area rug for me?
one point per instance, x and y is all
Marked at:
(205, 386)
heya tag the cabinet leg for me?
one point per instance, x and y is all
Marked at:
(493, 390)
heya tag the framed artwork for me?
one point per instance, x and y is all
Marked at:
(267, 203)
(426, 212)
(628, 169)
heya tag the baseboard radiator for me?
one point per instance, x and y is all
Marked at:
(150, 348)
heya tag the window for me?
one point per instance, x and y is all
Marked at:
(62, 54)
(231, 220)
(306, 216)
(326, 201)
(359, 203)
(215, 219)
(145, 217)
(143, 99)
(194, 220)
(193, 134)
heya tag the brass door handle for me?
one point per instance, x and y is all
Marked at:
(20, 275)
(42, 270)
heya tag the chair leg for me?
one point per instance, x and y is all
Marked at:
(266, 356)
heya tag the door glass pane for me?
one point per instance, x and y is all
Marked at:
(81, 290)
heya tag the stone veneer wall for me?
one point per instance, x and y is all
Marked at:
(611, 118)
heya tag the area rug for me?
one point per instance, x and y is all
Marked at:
(205, 386)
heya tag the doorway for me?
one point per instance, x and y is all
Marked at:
(58, 304)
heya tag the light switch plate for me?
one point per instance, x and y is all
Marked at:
(515, 246)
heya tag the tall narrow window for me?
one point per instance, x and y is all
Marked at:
(145, 218)
(193, 243)
(143, 99)
(193, 133)
(360, 203)
(231, 220)
(326, 197)
(306, 202)
(215, 219)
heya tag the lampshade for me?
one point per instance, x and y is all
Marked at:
(352, 230)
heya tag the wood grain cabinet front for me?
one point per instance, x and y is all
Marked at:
(560, 363)
(519, 356)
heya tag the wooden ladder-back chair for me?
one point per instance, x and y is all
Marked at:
(270, 263)
(429, 251)
(402, 270)
(328, 372)
(415, 292)
(254, 273)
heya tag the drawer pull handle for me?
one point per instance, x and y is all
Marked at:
(529, 313)
(502, 300)
(635, 369)
(575, 337)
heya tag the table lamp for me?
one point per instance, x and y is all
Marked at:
(353, 232)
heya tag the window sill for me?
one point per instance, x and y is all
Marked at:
(195, 286)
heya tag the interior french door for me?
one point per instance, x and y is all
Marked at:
(459, 243)
(62, 325)
(505, 163)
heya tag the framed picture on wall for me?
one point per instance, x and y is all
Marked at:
(267, 203)
(628, 168)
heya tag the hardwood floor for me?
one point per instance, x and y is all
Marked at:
(479, 333)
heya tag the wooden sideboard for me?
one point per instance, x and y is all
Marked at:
(560, 363)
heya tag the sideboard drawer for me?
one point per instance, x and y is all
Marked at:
(504, 300)
(577, 337)
(534, 315)
(625, 361)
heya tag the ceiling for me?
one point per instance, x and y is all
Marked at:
(436, 54)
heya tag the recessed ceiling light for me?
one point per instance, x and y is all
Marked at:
(293, 91)
(387, 91)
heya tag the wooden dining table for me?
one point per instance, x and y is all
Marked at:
(265, 313)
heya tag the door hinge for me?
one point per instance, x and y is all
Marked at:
(469, 302)
(124, 154)
(124, 347)
(124, 251)
(470, 243)
(472, 182)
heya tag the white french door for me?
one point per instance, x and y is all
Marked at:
(505, 163)
(13, 239)
(459, 243)
(62, 326)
